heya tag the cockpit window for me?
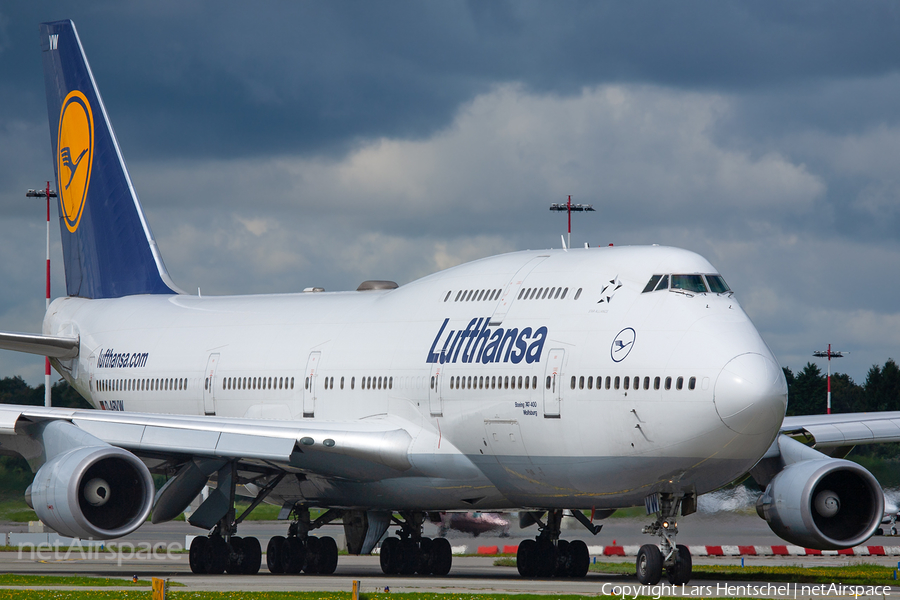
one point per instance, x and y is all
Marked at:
(651, 285)
(689, 283)
(663, 283)
(717, 285)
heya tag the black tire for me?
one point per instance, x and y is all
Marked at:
(562, 559)
(198, 555)
(426, 556)
(217, 552)
(293, 556)
(273, 555)
(409, 557)
(252, 556)
(390, 556)
(579, 559)
(441, 557)
(545, 565)
(313, 556)
(525, 558)
(234, 564)
(680, 572)
(329, 559)
(649, 564)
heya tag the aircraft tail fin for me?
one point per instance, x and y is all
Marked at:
(108, 248)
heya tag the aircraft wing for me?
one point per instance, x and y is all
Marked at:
(846, 429)
(359, 450)
(44, 345)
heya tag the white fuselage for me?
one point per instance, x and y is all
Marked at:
(448, 358)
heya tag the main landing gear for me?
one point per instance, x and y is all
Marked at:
(675, 559)
(549, 556)
(223, 551)
(411, 553)
(300, 551)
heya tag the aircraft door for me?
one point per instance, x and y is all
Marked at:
(209, 385)
(435, 402)
(309, 384)
(511, 291)
(553, 383)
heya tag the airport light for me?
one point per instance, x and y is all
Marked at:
(829, 354)
(569, 207)
(47, 193)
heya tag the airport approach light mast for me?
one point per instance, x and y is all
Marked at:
(829, 354)
(47, 193)
(569, 207)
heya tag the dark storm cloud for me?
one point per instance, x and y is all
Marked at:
(220, 79)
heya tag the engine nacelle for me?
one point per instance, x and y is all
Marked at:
(826, 504)
(98, 492)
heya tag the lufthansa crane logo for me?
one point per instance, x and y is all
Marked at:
(74, 156)
(622, 345)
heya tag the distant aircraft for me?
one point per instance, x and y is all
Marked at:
(474, 522)
(502, 384)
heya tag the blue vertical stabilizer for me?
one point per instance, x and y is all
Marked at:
(108, 248)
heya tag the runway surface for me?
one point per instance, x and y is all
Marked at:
(469, 574)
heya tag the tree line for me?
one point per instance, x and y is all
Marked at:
(807, 390)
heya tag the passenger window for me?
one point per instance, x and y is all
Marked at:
(565, 291)
(591, 382)
(626, 382)
(447, 297)
(578, 294)
(573, 383)
(558, 290)
(548, 382)
(637, 383)
(533, 382)
(692, 383)
(617, 382)
(646, 383)
(668, 383)
(352, 382)
(679, 383)
(520, 382)
(522, 293)
(656, 383)
(607, 382)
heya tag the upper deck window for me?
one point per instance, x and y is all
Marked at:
(689, 283)
(717, 285)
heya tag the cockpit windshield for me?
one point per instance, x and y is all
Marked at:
(692, 284)
(689, 283)
(717, 285)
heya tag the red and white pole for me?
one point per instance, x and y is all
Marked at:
(47, 359)
(569, 210)
(828, 407)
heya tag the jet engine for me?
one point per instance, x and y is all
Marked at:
(827, 504)
(98, 492)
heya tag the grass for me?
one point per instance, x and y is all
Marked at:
(54, 580)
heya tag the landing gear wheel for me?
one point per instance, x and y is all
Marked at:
(252, 556)
(329, 556)
(426, 556)
(313, 556)
(649, 564)
(579, 559)
(409, 557)
(273, 554)
(197, 556)
(390, 556)
(680, 572)
(546, 558)
(293, 556)
(562, 559)
(235, 556)
(216, 556)
(441, 557)
(525, 558)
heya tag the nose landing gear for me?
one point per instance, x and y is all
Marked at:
(674, 558)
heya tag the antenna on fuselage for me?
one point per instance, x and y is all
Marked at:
(569, 207)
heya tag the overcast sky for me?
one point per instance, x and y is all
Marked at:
(280, 145)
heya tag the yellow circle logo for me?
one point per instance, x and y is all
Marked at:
(74, 155)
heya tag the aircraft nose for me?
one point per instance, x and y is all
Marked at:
(751, 394)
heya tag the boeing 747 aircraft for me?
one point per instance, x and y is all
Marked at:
(536, 381)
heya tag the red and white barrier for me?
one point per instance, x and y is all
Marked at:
(786, 550)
